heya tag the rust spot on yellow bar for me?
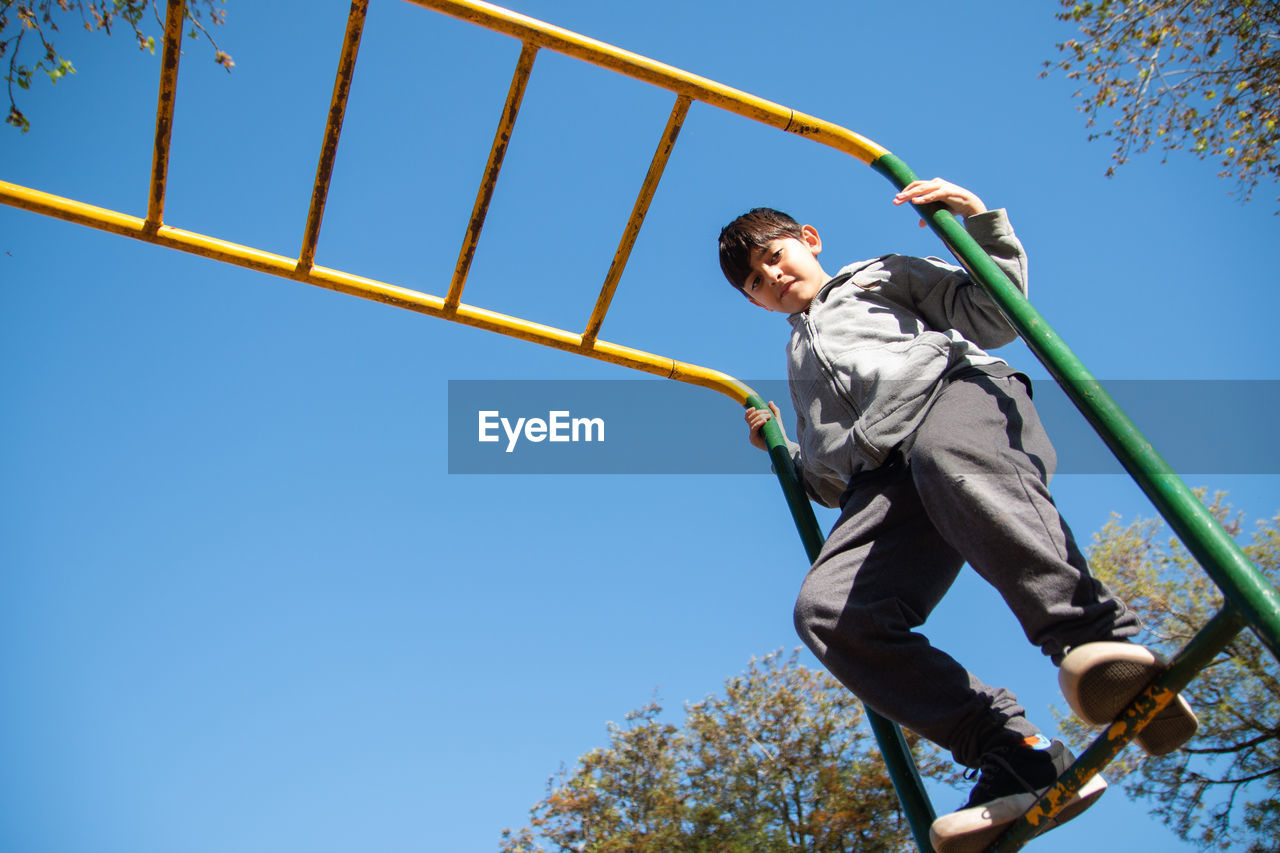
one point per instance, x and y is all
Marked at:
(174, 17)
(333, 130)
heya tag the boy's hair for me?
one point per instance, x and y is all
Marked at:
(752, 230)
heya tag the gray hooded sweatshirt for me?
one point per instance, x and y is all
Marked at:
(872, 351)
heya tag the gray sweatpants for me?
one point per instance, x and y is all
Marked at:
(972, 486)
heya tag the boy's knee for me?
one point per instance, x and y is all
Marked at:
(852, 626)
(819, 619)
(806, 619)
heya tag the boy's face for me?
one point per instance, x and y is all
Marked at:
(785, 273)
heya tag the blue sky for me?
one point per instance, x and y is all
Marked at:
(244, 604)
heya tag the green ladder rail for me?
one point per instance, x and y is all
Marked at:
(1250, 599)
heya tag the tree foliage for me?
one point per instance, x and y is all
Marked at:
(1200, 75)
(1222, 790)
(781, 761)
(28, 29)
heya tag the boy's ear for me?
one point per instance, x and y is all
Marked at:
(809, 236)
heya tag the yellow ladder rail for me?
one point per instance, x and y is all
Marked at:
(366, 288)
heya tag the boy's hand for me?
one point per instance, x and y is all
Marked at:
(955, 198)
(756, 418)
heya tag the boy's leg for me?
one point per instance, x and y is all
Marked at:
(981, 462)
(883, 569)
(881, 572)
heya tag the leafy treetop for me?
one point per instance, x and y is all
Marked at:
(780, 761)
(21, 20)
(1200, 75)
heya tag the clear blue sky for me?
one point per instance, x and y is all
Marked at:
(244, 606)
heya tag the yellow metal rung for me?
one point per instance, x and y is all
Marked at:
(332, 131)
(638, 211)
(497, 151)
(174, 17)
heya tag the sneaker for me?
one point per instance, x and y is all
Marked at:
(1010, 780)
(1099, 680)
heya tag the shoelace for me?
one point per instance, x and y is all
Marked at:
(992, 761)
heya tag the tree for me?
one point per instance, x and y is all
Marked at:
(21, 20)
(1222, 790)
(1203, 75)
(781, 761)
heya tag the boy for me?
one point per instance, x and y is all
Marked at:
(936, 457)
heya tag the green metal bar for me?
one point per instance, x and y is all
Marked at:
(1245, 587)
(789, 479)
(1195, 656)
(905, 777)
(893, 746)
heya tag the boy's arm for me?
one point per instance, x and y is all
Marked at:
(756, 418)
(944, 294)
(958, 200)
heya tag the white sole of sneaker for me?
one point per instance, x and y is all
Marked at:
(973, 830)
(1099, 680)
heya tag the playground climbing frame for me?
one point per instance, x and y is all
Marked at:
(1251, 601)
